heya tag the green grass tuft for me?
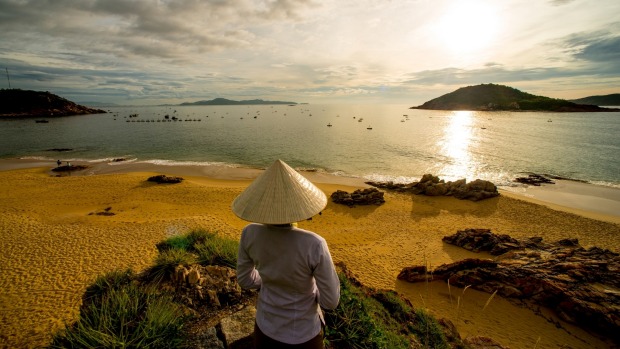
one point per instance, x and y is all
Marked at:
(218, 251)
(128, 316)
(359, 322)
(166, 262)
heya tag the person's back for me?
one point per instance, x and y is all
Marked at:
(291, 267)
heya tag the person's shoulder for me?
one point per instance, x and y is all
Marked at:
(252, 227)
(309, 234)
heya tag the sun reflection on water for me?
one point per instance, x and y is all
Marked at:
(455, 145)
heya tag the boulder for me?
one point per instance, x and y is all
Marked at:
(368, 196)
(237, 329)
(159, 179)
(434, 186)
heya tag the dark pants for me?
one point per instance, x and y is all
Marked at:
(262, 341)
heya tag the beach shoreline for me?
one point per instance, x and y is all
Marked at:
(584, 199)
(54, 243)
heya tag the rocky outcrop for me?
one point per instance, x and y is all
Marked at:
(580, 285)
(224, 313)
(163, 179)
(368, 196)
(17, 103)
(483, 240)
(434, 186)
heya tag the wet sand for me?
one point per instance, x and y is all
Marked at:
(52, 247)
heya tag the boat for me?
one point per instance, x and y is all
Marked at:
(369, 128)
(329, 125)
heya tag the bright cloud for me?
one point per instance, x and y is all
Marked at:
(163, 51)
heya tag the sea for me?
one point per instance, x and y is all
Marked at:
(374, 142)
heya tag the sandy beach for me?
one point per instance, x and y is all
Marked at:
(53, 245)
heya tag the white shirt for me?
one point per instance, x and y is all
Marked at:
(295, 273)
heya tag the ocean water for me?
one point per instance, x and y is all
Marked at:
(376, 142)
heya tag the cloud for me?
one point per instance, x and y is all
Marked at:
(560, 2)
(125, 28)
(600, 47)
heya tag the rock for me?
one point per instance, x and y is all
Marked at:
(414, 274)
(579, 284)
(477, 240)
(479, 342)
(60, 149)
(69, 168)
(206, 338)
(434, 186)
(534, 179)
(193, 276)
(238, 328)
(368, 196)
(165, 179)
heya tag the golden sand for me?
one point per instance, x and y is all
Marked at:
(52, 246)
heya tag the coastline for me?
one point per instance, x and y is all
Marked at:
(54, 244)
(584, 199)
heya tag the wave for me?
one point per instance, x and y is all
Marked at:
(162, 162)
(504, 179)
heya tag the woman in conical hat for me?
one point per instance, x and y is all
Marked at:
(291, 267)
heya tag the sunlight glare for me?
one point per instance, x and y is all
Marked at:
(456, 142)
(467, 26)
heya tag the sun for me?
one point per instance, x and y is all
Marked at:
(467, 26)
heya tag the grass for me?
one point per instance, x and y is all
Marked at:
(198, 246)
(125, 310)
(166, 262)
(125, 315)
(217, 251)
(378, 319)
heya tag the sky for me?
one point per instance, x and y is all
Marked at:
(149, 52)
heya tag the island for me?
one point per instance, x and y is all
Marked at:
(16, 103)
(492, 97)
(605, 100)
(224, 101)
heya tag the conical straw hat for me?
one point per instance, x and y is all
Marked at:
(279, 195)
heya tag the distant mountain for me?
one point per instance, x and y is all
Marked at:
(224, 101)
(499, 97)
(612, 99)
(15, 103)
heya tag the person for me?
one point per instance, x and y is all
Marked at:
(291, 267)
(58, 163)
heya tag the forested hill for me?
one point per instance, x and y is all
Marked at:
(499, 97)
(15, 103)
(612, 99)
